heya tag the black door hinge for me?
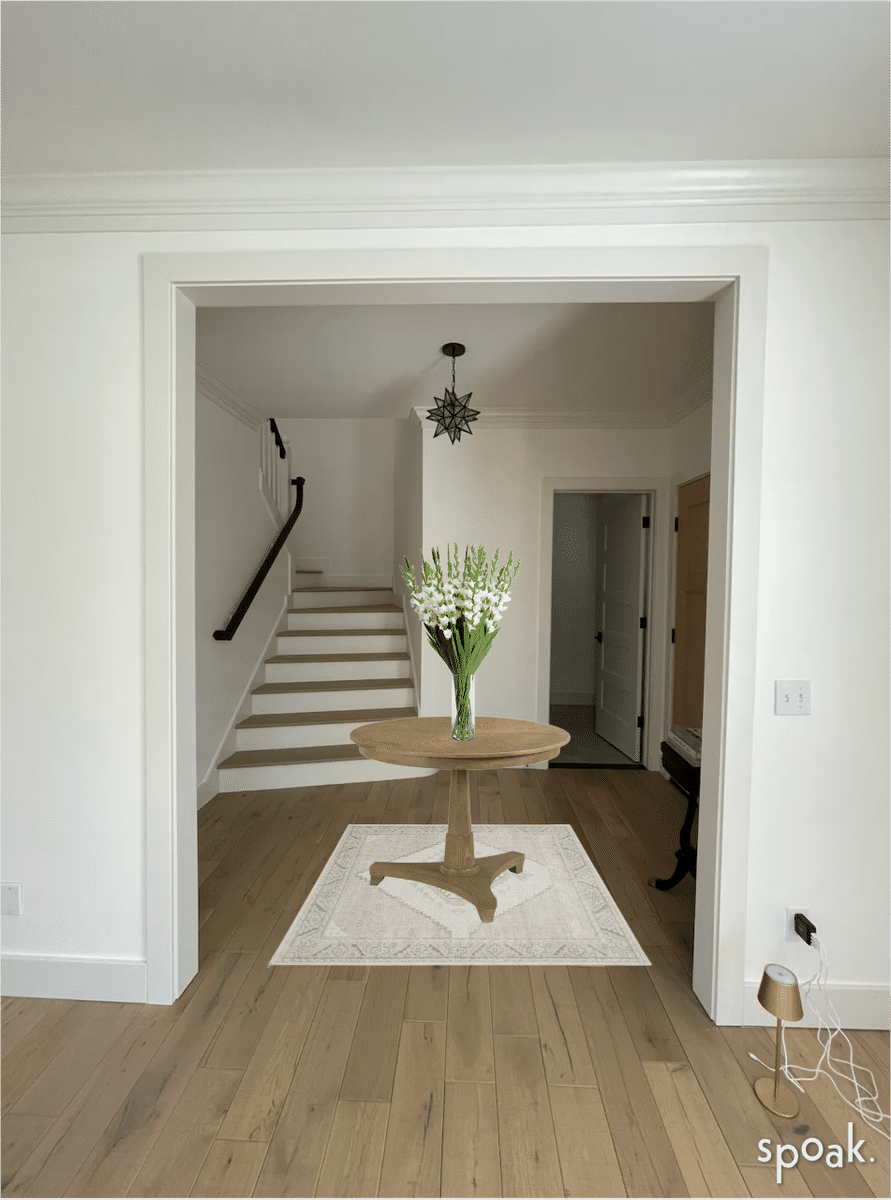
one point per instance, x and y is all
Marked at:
(645, 522)
(640, 722)
(675, 524)
(643, 622)
(672, 637)
(599, 637)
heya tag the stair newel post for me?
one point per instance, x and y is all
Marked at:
(459, 858)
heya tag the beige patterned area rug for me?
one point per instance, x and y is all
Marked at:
(557, 910)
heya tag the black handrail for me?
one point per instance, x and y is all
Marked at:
(225, 635)
(278, 438)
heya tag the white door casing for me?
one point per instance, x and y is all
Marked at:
(403, 262)
(621, 605)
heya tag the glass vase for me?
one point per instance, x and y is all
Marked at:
(463, 707)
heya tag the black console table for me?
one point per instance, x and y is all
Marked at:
(685, 778)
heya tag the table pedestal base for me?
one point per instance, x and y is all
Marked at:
(462, 873)
(474, 885)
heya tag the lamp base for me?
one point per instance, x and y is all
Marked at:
(783, 1104)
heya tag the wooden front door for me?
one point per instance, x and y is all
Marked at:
(691, 575)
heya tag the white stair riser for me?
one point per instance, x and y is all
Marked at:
(372, 643)
(278, 702)
(279, 737)
(387, 668)
(319, 599)
(344, 620)
(248, 779)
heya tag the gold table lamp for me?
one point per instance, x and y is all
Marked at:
(778, 994)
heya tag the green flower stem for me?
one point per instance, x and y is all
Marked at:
(462, 730)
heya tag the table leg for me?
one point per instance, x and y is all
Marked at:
(459, 856)
(460, 872)
(685, 854)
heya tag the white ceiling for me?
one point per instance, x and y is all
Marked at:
(105, 87)
(621, 364)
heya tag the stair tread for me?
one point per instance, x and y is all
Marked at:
(350, 608)
(331, 685)
(288, 755)
(330, 587)
(340, 632)
(378, 656)
(333, 716)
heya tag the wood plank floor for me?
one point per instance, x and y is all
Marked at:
(415, 1081)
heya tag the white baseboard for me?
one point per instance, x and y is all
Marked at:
(407, 613)
(50, 977)
(586, 698)
(859, 1006)
(208, 787)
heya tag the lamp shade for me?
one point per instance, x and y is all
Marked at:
(779, 993)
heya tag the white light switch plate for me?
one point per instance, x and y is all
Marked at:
(793, 698)
(11, 899)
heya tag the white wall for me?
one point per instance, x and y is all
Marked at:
(573, 598)
(408, 501)
(233, 530)
(488, 490)
(74, 658)
(347, 517)
(689, 445)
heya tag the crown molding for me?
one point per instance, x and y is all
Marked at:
(528, 418)
(221, 394)
(809, 189)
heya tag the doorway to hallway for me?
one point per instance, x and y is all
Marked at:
(599, 597)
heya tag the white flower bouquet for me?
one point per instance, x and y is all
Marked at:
(461, 609)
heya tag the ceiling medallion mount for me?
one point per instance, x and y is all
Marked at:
(453, 415)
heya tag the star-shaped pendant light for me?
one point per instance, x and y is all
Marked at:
(453, 416)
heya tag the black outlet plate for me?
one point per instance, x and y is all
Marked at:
(804, 928)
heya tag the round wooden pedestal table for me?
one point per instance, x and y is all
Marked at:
(428, 742)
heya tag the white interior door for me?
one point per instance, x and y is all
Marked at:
(621, 579)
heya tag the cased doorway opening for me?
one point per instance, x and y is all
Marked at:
(600, 571)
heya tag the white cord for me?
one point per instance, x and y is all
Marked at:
(866, 1102)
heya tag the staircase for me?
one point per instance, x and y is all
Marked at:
(341, 662)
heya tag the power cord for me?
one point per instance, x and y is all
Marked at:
(867, 1099)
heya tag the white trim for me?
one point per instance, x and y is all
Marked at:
(171, 836)
(859, 1006)
(654, 645)
(220, 393)
(405, 600)
(571, 418)
(809, 189)
(51, 977)
(400, 258)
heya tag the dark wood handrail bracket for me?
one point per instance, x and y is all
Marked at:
(225, 635)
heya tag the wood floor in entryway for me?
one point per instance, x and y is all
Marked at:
(415, 1081)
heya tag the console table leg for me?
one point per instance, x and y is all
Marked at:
(685, 854)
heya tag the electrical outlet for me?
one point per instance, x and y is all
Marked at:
(791, 935)
(792, 698)
(11, 899)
